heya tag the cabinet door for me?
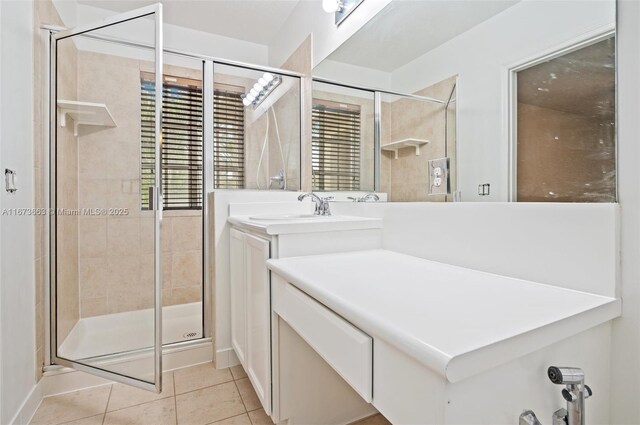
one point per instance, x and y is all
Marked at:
(258, 318)
(238, 296)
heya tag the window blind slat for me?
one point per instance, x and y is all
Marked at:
(335, 148)
(182, 150)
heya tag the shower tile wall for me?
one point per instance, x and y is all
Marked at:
(116, 252)
(406, 179)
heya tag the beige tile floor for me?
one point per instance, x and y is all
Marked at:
(198, 395)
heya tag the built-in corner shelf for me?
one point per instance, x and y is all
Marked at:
(404, 143)
(84, 113)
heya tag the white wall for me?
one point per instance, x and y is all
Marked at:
(1, 203)
(625, 378)
(175, 37)
(308, 17)
(550, 243)
(481, 57)
(352, 74)
(17, 290)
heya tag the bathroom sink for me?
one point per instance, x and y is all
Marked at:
(285, 217)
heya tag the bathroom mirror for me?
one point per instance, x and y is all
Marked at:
(256, 129)
(518, 97)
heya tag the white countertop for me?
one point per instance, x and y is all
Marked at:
(457, 321)
(305, 225)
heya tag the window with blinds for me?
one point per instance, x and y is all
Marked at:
(182, 160)
(335, 146)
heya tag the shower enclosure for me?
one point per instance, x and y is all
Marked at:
(138, 136)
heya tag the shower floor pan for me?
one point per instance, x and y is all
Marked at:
(124, 332)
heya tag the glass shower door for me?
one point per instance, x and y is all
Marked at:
(106, 271)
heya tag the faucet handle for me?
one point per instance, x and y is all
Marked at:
(569, 396)
(559, 417)
(587, 391)
(528, 418)
(325, 209)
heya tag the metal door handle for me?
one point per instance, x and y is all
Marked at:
(152, 197)
(155, 198)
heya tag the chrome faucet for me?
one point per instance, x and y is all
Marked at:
(575, 393)
(365, 198)
(322, 204)
(279, 179)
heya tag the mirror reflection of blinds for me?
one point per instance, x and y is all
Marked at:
(182, 142)
(228, 140)
(335, 147)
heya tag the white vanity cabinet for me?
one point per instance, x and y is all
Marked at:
(238, 296)
(410, 338)
(250, 310)
(252, 243)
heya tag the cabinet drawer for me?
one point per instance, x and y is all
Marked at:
(347, 349)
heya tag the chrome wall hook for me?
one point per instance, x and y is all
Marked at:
(10, 180)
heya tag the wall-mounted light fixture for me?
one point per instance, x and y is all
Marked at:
(340, 8)
(261, 89)
(331, 6)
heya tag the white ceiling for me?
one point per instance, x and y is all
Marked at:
(407, 29)
(257, 21)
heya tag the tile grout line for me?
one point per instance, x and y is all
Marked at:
(208, 386)
(247, 411)
(77, 419)
(232, 380)
(137, 404)
(229, 417)
(175, 396)
(241, 399)
(106, 407)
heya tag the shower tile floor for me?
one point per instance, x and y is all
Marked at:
(197, 395)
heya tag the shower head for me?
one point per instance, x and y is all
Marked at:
(261, 89)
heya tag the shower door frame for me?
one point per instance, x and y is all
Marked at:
(55, 36)
(52, 363)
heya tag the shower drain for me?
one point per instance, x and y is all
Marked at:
(190, 335)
